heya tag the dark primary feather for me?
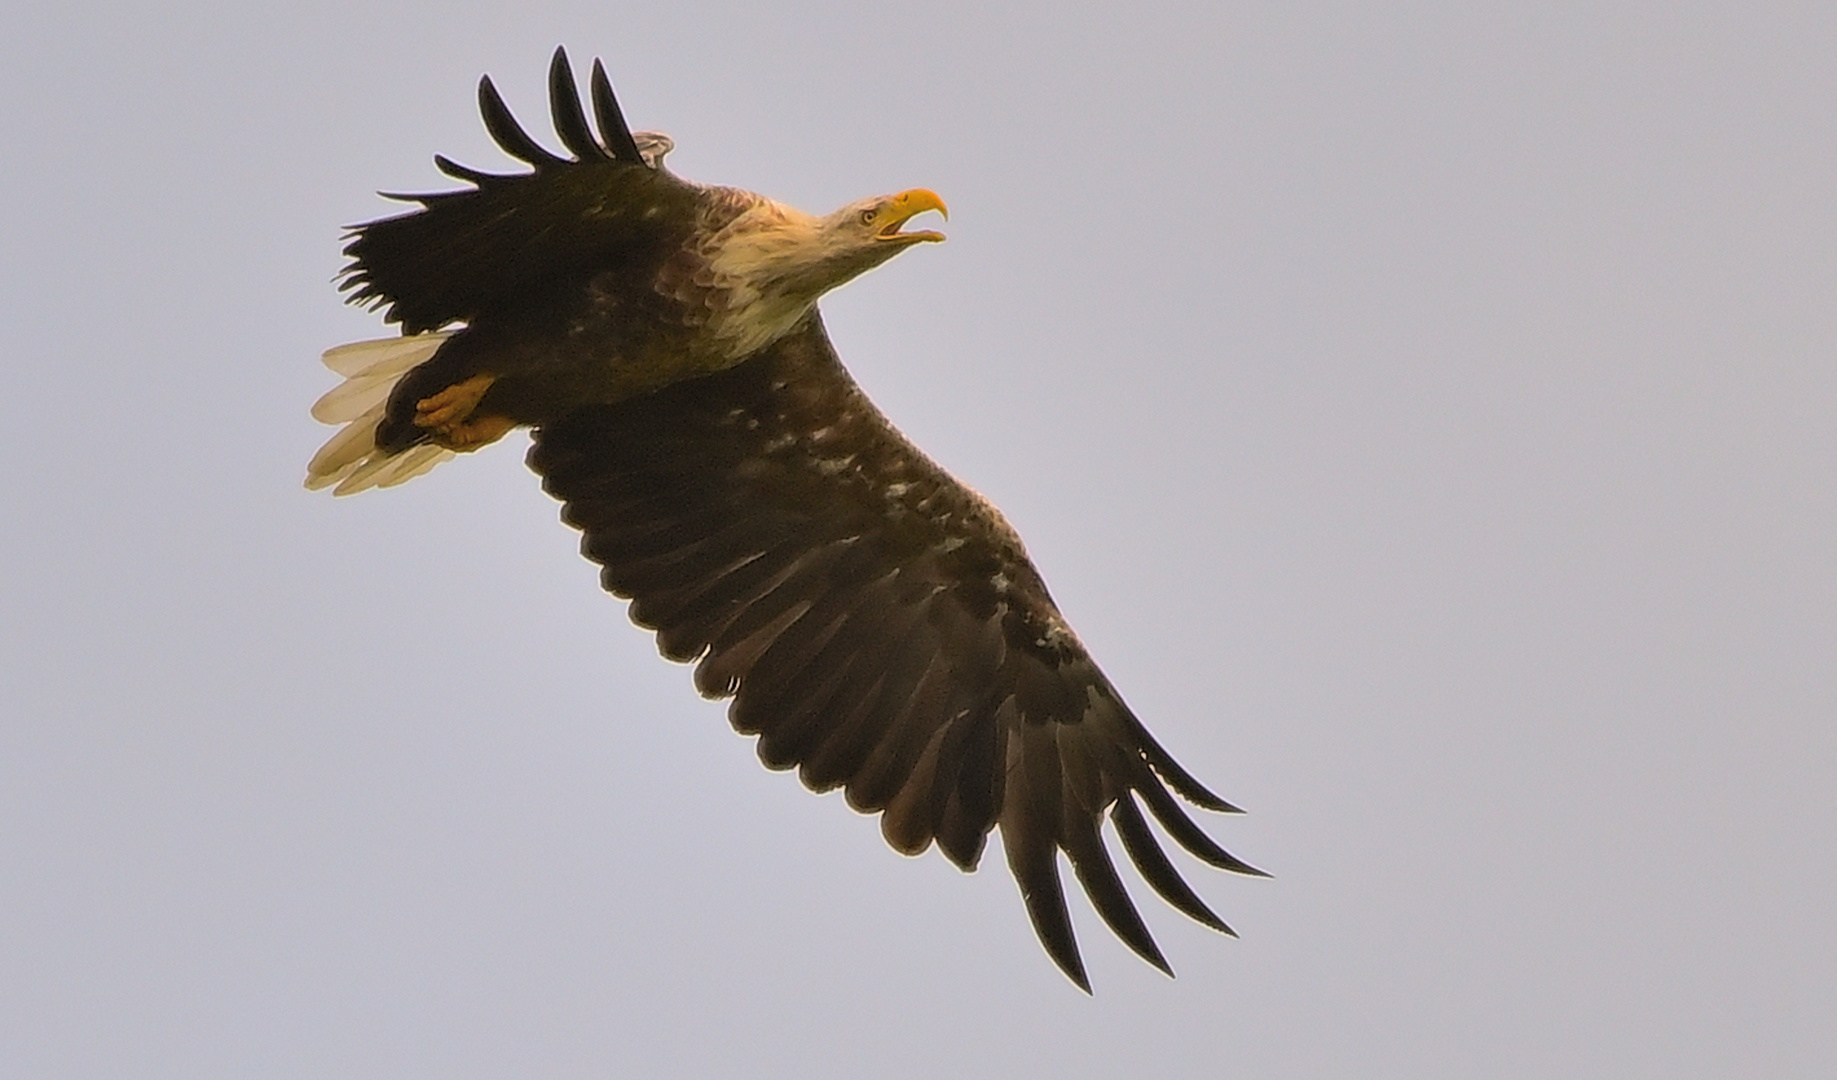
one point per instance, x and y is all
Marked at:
(507, 133)
(570, 118)
(877, 625)
(512, 240)
(609, 118)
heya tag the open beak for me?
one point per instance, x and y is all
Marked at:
(904, 207)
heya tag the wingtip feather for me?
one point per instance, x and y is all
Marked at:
(502, 125)
(565, 110)
(615, 133)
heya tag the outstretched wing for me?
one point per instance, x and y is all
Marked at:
(878, 626)
(509, 238)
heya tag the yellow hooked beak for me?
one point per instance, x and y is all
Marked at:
(902, 208)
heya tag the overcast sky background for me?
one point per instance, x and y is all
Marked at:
(1424, 411)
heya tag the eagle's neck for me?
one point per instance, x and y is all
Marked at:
(765, 271)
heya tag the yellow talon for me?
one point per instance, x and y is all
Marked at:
(453, 405)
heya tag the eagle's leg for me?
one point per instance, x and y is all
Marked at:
(453, 418)
(475, 431)
(452, 405)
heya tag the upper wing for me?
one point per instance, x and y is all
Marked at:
(877, 624)
(508, 237)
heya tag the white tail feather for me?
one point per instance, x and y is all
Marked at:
(371, 369)
(361, 357)
(411, 463)
(354, 397)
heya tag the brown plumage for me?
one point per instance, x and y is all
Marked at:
(876, 623)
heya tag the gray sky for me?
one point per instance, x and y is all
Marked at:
(1425, 417)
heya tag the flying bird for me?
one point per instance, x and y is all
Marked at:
(876, 623)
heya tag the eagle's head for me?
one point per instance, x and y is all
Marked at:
(864, 234)
(774, 261)
(855, 239)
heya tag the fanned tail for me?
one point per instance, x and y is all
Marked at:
(350, 459)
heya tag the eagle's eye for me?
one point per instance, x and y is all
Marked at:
(867, 217)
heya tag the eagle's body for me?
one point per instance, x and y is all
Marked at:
(877, 623)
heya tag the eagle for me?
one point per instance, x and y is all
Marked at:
(876, 623)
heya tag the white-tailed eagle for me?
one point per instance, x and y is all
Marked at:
(876, 623)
